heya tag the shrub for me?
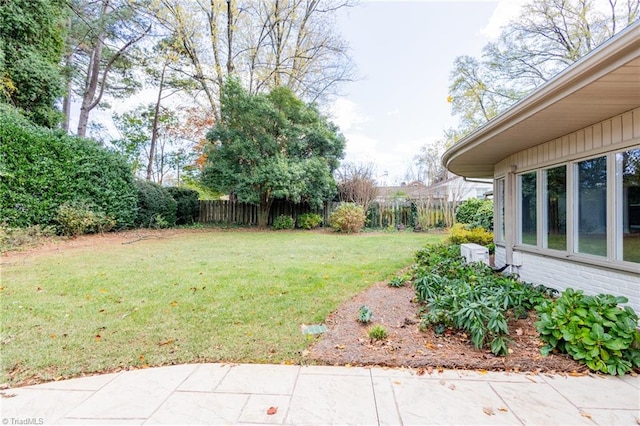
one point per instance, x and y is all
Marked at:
(283, 222)
(476, 213)
(377, 332)
(364, 314)
(156, 206)
(348, 217)
(309, 220)
(42, 169)
(15, 238)
(187, 205)
(461, 234)
(78, 218)
(594, 330)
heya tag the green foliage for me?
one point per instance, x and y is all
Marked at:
(309, 220)
(470, 297)
(461, 234)
(348, 217)
(593, 330)
(268, 147)
(32, 34)
(156, 206)
(78, 218)
(364, 314)
(187, 205)
(400, 280)
(283, 222)
(476, 213)
(377, 332)
(43, 169)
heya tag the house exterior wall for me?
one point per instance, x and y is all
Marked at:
(562, 269)
(561, 274)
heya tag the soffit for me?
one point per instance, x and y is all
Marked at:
(604, 84)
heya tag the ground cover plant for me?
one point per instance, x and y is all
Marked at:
(147, 298)
(471, 297)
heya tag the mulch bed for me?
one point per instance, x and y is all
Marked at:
(347, 341)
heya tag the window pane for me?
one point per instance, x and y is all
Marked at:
(556, 208)
(592, 206)
(528, 208)
(500, 201)
(631, 205)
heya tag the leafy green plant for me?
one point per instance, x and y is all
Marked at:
(348, 217)
(378, 332)
(43, 169)
(283, 222)
(154, 200)
(593, 330)
(397, 282)
(364, 314)
(470, 297)
(187, 204)
(475, 212)
(78, 218)
(309, 220)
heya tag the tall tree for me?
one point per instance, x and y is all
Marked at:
(357, 184)
(32, 34)
(264, 43)
(100, 51)
(267, 147)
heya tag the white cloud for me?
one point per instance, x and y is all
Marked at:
(346, 114)
(505, 11)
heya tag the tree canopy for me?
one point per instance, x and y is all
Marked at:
(32, 34)
(271, 146)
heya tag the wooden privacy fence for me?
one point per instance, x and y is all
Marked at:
(236, 213)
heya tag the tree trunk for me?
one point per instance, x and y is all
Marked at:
(154, 128)
(263, 210)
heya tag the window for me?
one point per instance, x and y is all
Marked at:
(628, 197)
(592, 206)
(555, 207)
(499, 226)
(528, 189)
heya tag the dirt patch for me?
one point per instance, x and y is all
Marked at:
(347, 340)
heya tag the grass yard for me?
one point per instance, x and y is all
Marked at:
(234, 296)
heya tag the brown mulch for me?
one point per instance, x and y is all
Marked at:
(347, 341)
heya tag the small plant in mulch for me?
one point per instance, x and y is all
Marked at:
(377, 332)
(364, 314)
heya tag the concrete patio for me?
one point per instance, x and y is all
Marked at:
(317, 395)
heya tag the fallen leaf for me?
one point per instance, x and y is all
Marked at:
(166, 342)
(272, 410)
(420, 371)
(98, 337)
(578, 373)
(396, 382)
(483, 372)
(519, 331)
(587, 415)
(38, 288)
(430, 370)
(488, 411)
(174, 303)
(103, 291)
(53, 336)
(340, 346)
(503, 409)
(452, 386)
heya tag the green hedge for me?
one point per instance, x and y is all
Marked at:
(41, 169)
(188, 206)
(156, 206)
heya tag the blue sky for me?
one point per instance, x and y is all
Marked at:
(405, 51)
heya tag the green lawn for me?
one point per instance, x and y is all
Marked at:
(206, 296)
